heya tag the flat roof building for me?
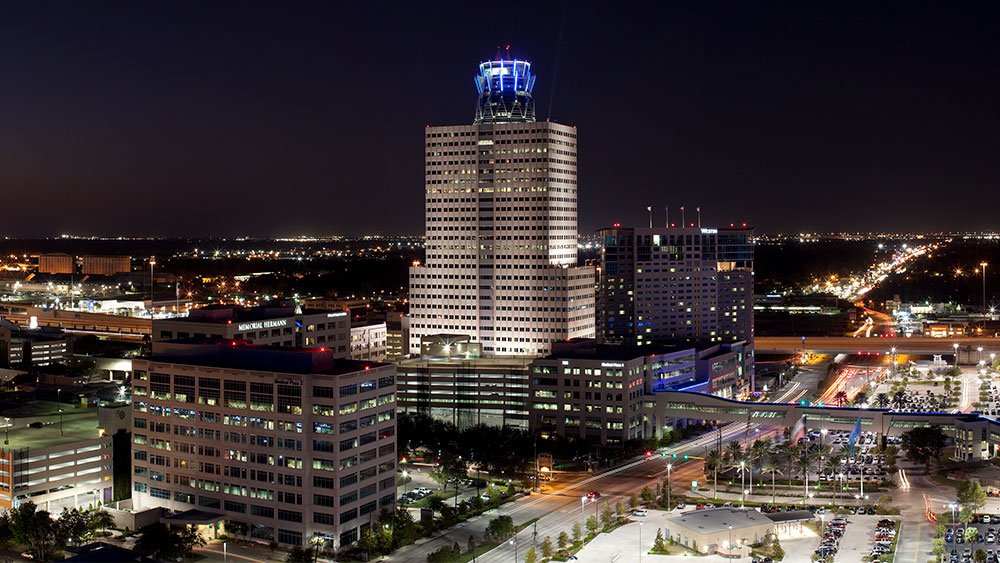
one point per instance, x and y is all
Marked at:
(279, 323)
(276, 442)
(728, 531)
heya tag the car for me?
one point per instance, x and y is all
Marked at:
(681, 505)
(640, 512)
(727, 504)
(699, 506)
(593, 494)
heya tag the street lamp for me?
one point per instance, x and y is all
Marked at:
(983, 265)
(669, 466)
(953, 507)
(514, 541)
(955, 346)
(640, 541)
(822, 440)
(980, 354)
(730, 541)
(743, 481)
(406, 475)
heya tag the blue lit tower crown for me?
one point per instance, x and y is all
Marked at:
(505, 92)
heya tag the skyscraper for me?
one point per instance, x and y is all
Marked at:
(501, 232)
(676, 283)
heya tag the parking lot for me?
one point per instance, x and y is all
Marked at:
(985, 537)
(873, 466)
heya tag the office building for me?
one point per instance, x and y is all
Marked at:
(269, 442)
(668, 284)
(368, 341)
(606, 393)
(397, 335)
(22, 347)
(501, 226)
(279, 323)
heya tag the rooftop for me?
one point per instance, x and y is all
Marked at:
(239, 354)
(77, 425)
(712, 520)
(224, 314)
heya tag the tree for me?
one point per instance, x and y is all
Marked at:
(299, 555)
(577, 532)
(444, 554)
(619, 509)
(980, 556)
(882, 400)
(530, 556)
(884, 500)
(971, 534)
(633, 501)
(161, 542)
(714, 461)
(101, 520)
(562, 540)
(500, 527)
(924, 443)
(592, 524)
(966, 516)
(777, 551)
(647, 495)
(37, 530)
(772, 466)
(607, 514)
(940, 529)
(938, 547)
(840, 397)
(547, 547)
(75, 524)
(472, 544)
(658, 544)
(971, 494)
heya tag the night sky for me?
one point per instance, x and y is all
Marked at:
(230, 118)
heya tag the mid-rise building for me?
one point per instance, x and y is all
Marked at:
(466, 391)
(56, 263)
(397, 335)
(58, 459)
(501, 226)
(605, 393)
(270, 442)
(22, 347)
(279, 323)
(680, 283)
(105, 265)
(368, 341)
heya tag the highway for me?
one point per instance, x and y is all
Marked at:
(850, 345)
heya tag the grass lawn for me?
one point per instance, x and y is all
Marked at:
(674, 550)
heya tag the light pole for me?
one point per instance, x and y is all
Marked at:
(893, 350)
(640, 541)
(730, 541)
(822, 439)
(514, 541)
(583, 512)
(406, 475)
(669, 466)
(980, 349)
(152, 262)
(983, 266)
(955, 346)
(953, 506)
(743, 482)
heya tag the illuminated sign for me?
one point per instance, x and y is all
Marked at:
(256, 325)
(612, 365)
(334, 315)
(709, 231)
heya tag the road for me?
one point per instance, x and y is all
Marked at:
(849, 345)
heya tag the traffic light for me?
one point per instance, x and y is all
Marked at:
(675, 456)
(685, 457)
(648, 453)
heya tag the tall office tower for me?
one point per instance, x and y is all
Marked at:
(501, 233)
(669, 284)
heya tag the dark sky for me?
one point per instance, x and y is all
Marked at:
(286, 118)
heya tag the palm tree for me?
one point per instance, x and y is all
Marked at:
(102, 519)
(840, 397)
(898, 400)
(714, 460)
(882, 400)
(758, 450)
(733, 451)
(771, 465)
(803, 464)
(790, 453)
(834, 464)
(860, 398)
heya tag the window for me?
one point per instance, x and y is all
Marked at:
(322, 500)
(289, 537)
(323, 518)
(265, 511)
(289, 515)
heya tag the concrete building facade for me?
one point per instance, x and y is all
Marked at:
(277, 443)
(501, 226)
(368, 342)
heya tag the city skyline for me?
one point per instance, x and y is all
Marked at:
(260, 122)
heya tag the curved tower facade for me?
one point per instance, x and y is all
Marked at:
(505, 92)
